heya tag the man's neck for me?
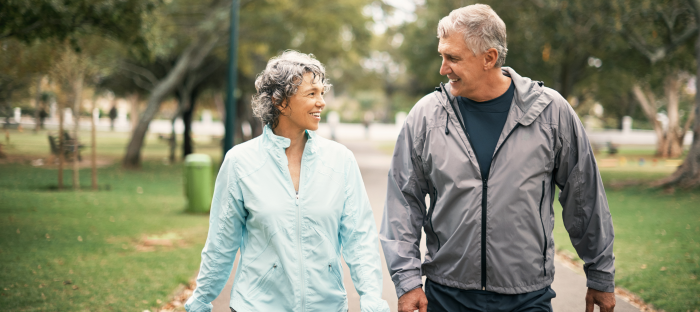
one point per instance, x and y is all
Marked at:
(492, 85)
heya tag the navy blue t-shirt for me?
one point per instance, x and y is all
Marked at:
(484, 122)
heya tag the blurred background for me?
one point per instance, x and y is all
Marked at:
(101, 101)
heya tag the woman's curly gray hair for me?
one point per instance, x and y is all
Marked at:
(280, 80)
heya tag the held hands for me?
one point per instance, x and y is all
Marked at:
(605, 300)
(414, 300)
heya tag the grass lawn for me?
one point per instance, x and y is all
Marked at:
(657, 239)
(84, 251)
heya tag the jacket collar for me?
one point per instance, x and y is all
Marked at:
(530, 97)
(276, 145)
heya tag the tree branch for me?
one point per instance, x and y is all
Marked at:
(145, 73)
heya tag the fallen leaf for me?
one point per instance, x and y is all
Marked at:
(80, 238)
(158, 301)
(75, 287)
(644, 266)
(662, 269)
(47, 236)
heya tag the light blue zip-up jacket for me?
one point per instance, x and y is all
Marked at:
(290, 244)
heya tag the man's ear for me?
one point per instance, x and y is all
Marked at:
(490, 58)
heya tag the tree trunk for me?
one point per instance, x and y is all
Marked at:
(191, 58)
(78, 92)
(93, 145)
(187, 143)
(647, 101)
(37, 105)
(173, 139)
(688, 174)
(674, 138)
(134, 116)
(61, 144)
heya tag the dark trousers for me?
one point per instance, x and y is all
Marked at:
(449, 299)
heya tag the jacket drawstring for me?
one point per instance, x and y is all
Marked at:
(447, 121)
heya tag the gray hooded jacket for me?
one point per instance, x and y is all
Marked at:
(494, 233)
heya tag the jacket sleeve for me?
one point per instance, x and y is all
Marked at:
(358, 238)
(586, 214)
(226, 225)
(404, 212)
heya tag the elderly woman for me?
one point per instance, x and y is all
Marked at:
(292, 201)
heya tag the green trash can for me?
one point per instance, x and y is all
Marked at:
(198, 183)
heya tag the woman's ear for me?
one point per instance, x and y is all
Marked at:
(283, 106)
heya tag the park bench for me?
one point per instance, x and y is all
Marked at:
(69, 146)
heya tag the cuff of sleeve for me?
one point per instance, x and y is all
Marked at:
(601, 281)
(194, 305)
(373, 304)
(408, 284)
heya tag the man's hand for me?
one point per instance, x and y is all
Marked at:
(605, 300)
(414, 300)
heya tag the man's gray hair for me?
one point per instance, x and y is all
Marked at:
(280, 80)
(481, 27)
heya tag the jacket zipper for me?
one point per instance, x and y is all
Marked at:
(544, 252)
(483, 212)
(263, 280)
(484, 181)
(301, 256)
(299, 248)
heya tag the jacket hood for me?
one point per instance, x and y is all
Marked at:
(530, 96)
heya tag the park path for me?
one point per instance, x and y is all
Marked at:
(569, 285)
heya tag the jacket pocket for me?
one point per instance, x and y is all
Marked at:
(263, 282)
(334, 270)
(544, 234)
(433, 202)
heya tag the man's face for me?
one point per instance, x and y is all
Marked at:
(460, 65)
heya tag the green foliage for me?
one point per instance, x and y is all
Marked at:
(68, 251)
(44, 19)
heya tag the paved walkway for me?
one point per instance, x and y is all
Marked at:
(569, 285)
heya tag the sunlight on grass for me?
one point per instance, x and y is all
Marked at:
(73, 251)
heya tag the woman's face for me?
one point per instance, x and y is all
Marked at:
(303, 109)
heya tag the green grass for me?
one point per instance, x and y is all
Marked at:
(657, 239)
(92, 239)
(111, 145)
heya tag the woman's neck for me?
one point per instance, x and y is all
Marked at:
(296, 137)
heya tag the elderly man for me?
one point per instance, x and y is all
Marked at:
(488, 149)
